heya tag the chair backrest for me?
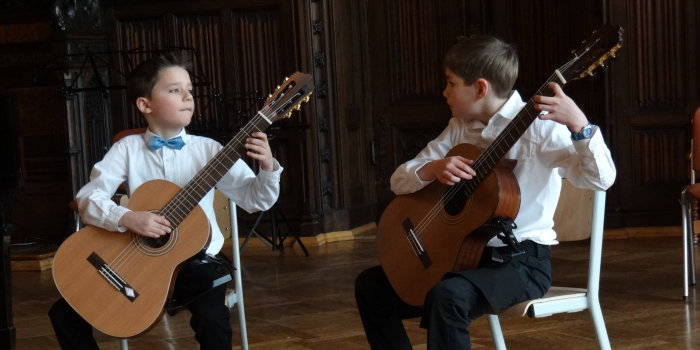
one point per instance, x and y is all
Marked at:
(223, 214)
(572, 218)
(580, 215)
(120, 135)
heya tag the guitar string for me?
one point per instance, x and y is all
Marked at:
(453, 190)
(186, 195)
(264, 114)
(228, 152)
(128, 251)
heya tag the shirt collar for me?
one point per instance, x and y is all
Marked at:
(503, 117)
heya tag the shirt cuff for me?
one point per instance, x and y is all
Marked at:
(274, 175)
(115, 214)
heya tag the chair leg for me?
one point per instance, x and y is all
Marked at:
(124, 344)
(691, 254)
(241, 322)
(496, 333)
(599, 323)
(687, 243)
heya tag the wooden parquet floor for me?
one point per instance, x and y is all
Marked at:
(298, 302)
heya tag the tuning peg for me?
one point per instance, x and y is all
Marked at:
(297, 107)
(286, 78)
(277, 87)
(269, 96)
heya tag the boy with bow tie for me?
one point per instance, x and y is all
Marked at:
(162, 90)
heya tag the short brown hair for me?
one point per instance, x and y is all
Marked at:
(487, 57)
(141, 80)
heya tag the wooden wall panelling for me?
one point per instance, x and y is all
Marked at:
(407, 41)
(351, 200)
(203, 33)
(45, 184)
(320, 176)
(133, 40)
(655, 92)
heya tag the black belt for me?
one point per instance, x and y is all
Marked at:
(506, 253)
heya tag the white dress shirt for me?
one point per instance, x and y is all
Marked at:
(545, 153)
(131, 161)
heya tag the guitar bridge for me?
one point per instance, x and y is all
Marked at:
(416, 244)
(112, 277)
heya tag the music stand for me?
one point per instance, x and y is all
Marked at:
(276, 241)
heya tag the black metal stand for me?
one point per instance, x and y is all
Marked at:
(7, 329)
(276, 239)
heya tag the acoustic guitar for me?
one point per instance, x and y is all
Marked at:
(438, 229)
(120, 282)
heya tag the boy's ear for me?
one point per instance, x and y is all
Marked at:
(143, 104)
(482, 87)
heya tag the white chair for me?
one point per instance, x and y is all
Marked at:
(228, 223)
(690, 194)
(573, 202)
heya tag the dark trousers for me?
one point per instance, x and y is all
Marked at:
(210, 316)
(454, 302)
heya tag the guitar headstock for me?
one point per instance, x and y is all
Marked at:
(592, 54)
(288, 96)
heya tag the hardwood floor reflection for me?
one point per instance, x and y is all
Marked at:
(297, 302)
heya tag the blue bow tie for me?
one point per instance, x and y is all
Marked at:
(158, 142)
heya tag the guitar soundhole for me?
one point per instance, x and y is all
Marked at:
(455, 203)
(156, 243)
(156, 246)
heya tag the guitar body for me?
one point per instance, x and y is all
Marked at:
(449, 234)
(147, 270)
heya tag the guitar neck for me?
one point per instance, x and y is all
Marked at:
(204, 181)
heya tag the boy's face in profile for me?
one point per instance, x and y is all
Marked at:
(171, 104)
(460, 97)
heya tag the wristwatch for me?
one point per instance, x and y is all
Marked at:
(585, 133)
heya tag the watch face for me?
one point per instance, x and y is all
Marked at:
(587, 132)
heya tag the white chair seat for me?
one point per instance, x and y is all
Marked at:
(560, 299)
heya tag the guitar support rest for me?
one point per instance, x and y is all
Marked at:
(504, 231)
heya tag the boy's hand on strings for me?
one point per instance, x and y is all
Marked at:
(145, 223)
(560, 108)
(448, 171)
(259, 149)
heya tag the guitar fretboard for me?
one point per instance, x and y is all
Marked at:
(184, 202)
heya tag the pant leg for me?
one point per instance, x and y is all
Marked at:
(210, 320)
(382, 311)
(450, 307)
(210, 316)
(72, 331)
(463, 296)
